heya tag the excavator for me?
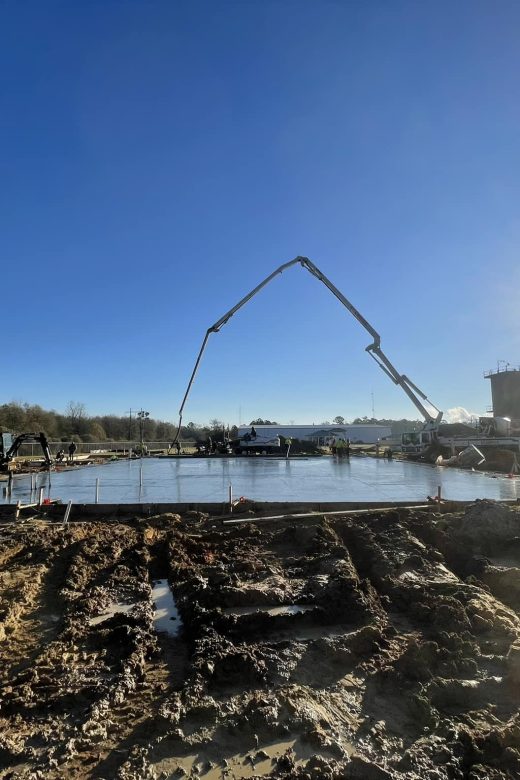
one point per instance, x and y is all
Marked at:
(10, 445)
(411, 443)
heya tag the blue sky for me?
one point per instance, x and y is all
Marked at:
(158, 159)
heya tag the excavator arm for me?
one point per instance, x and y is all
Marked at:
(373, 349)
(27, 438)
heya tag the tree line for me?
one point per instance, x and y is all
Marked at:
(397, 426)
(75, 423)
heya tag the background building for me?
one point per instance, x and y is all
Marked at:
(505, 392)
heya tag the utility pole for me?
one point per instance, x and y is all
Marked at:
(142, 417)
(130, 427)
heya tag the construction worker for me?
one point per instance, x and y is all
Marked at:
(340, 448)
(72, 449)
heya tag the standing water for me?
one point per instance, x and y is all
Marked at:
(166, 618)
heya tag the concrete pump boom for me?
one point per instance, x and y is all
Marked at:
(374, 349)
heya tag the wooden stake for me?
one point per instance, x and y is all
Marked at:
(67, 513)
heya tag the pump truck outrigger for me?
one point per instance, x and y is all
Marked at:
(10, 446)
(421, 440)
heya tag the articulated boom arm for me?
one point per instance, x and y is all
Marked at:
(374, 349)
(27, 438)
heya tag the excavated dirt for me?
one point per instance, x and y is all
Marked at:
(367, 647)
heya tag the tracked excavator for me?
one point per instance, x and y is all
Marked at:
(413, 443)
(10, 445)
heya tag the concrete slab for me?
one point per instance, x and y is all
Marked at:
(188, 481)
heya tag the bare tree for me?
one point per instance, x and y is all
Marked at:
(77, 414)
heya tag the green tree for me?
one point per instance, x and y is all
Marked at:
(12, 417)
(37, 419)
(339, 420)
(97, 432)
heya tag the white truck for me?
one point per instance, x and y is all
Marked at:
(252, 443)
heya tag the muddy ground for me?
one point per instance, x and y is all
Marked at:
(392, 648)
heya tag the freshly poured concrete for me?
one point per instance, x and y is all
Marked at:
(190, 480)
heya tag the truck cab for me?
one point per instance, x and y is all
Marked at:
(417, 441)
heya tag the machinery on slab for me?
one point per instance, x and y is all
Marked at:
(9, 446)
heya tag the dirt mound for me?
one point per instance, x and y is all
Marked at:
(486, 521)
(374, 647)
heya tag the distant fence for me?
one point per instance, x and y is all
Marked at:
(99, 446)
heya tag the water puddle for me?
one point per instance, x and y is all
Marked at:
(115, 608)
(439, 574)
(166, 618)
(212, 764)
(283, 609)
(309, 634)
(49, 620)
(504, 561)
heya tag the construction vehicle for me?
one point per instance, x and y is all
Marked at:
(253, 443)
(9, 446)
(412, 443)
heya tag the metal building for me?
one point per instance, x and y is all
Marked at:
(505, 391)
(322, 434)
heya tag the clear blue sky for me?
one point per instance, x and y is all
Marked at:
(158, 159)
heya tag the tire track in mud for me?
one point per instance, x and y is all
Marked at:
(383, 647)
(30, 590)
(138, 665)
(434, 604)
(442, 607)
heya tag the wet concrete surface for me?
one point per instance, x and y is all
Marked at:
(187, 480)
